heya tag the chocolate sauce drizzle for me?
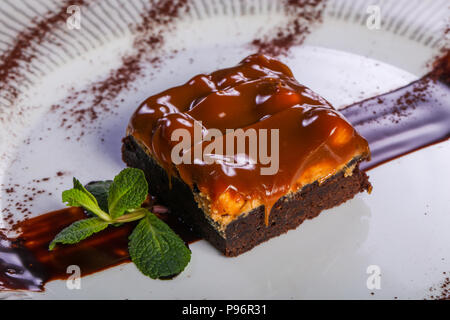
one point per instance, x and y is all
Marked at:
(394, 123)
(27, 264)
(403, 120)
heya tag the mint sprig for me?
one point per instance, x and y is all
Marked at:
(156, 250)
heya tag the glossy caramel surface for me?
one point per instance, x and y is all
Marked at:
(315, 141)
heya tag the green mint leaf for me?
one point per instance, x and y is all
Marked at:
(78, 186)
(156, 250)
(100, 190)
(78, 231)
(80, 197)
(128, 191)
(77, 198)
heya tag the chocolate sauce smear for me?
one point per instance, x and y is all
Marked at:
(402, 121)
(26, 263)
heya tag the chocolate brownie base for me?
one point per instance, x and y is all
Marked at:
(249, 229)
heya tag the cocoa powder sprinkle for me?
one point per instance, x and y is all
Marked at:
(302, 16)
(23, 49)
(84, 107)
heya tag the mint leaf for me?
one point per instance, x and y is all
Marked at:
(78, 231)
(128, 191)
(80, 197)
(78, 186)
(100, 190)
(156, 250)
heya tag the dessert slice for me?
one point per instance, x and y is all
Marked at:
(264, 154)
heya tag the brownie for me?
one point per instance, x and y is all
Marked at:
(248, 230)
(295, 154)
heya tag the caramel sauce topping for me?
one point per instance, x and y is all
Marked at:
(314, 140)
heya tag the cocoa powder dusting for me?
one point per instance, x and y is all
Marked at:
(83, 107)
(23, 48)
(441, 67)
(405, 104)
(19, 198)
(442, 290)
(301, 16)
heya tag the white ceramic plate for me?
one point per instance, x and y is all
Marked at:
(402, 227)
